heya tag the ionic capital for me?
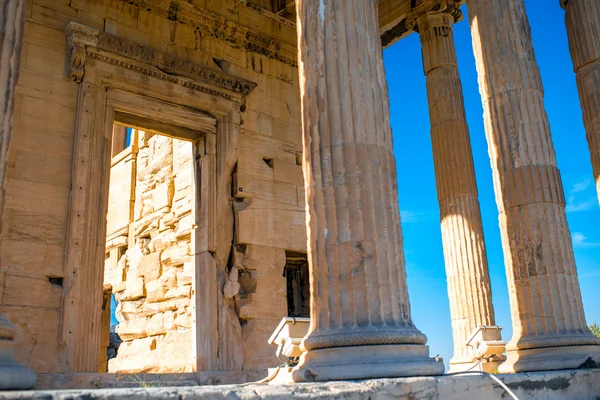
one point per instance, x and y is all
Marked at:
(448, 10)
(432, 25)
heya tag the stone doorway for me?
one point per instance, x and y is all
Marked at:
(149, 260)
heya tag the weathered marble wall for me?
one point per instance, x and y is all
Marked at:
(267, 206)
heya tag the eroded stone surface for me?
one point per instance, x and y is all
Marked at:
(12, 374)
(545, 298)
(583, 29)
(558, 385)
(359, 295)
(462, 231)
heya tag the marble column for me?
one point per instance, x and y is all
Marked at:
(583, 29)
(549, 327)
(469, 288)
(12, 375)
(361, 324)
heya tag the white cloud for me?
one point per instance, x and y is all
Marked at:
(409, 216)
(575, 203)
(581, 186)
(580, 240)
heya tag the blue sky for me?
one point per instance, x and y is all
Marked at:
(416, 179)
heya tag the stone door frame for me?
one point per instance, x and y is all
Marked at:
(120, 76)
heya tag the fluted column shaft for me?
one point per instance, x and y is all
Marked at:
(583, 29)
(359, 298)
(469, 288)
(12, 375)
(545, 298)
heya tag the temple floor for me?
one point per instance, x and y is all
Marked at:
(551, 385)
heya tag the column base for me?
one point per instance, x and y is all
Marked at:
(16, 377)
(366, 362)
(551, 358)
(13, 376)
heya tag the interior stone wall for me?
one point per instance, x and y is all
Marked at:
(149, 263)
(267, 199)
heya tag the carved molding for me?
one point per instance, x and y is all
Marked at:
(270, 14)
(86, 43)
(210, 24)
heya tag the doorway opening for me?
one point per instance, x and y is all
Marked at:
(297, 285)
(149, 255)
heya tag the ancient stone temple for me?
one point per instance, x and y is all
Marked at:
(178, 176)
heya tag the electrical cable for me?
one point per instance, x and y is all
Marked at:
(268, 378)
(494, 378)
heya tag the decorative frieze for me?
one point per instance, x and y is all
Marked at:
(86, 43)
(218, 27)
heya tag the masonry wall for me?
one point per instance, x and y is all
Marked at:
(267, 195)
(149, 263)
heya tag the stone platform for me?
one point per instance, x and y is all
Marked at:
(554, 385)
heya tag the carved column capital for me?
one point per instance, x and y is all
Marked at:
(436, 24)
(443, 12)
(435, 31)
(563, 4)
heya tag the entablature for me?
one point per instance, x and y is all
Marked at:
(396, 17)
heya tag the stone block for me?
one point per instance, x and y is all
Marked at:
(130, 330)
(156, 295)
(129, 309)
(175, 351)
(267, 146)
(230, 289)
(183, 321)
(163, 240)
(255, 164)
(289, 132)
(183, 160)
(162, 196)
(250, 186)
(185, 226)
(137, 347)
(134, 288)
(185, 275)
(260, 222)
(119, 287)
(160, 324)
(176, 255)
(183, 183)
(38, 333)
(31, 292)
(26, 255)
(179, 292)
(150, 266)
(258, 354)
(169, 278)
(288, 172)
(182, 206)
